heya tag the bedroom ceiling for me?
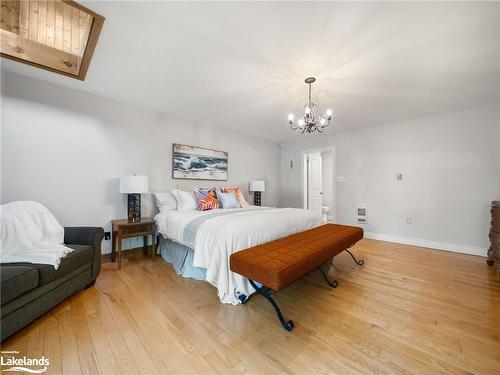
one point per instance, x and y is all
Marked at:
(241, 66)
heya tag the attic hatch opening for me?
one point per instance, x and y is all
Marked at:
(56, 35)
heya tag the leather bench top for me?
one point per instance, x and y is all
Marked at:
(277, 263)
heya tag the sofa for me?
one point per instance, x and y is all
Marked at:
(29, 290)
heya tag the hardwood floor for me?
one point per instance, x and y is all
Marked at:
(408, 310)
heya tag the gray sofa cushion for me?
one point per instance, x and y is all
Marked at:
(82, 254)
(41, 291)
(17, 280)
(26, 276)
(23, 310)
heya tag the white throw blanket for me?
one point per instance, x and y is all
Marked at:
(30, 233)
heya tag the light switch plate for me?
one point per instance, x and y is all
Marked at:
(399, 176)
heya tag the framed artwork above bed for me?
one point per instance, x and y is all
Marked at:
(197, 163)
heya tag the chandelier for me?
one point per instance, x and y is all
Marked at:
(311, 120)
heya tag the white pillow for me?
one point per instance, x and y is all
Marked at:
(166, 201)
(228, 200)
(185, 200)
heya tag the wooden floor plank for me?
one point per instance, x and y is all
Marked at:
(69, 351)
(105, 358)
(51, 342)
(409, 310)
(123, 357)
(86, 352)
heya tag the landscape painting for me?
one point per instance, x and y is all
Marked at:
(196, 163)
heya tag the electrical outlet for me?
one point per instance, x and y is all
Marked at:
(409, 220)
(107, 236)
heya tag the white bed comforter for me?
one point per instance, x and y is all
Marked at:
(222, 235)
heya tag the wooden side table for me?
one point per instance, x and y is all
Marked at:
(122, 228)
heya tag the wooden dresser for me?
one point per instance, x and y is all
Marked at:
(494, 250)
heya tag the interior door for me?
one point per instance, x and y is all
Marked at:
(314, 183)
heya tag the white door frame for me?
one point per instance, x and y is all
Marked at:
(304, 177)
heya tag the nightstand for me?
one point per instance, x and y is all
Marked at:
(124, 229)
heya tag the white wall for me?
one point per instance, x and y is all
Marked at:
(451, 173)
(67, 149)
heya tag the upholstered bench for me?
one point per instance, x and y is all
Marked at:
(278, 263)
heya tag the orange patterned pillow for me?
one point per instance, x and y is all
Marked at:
(206, 199)
(206, 202)
(239, 195)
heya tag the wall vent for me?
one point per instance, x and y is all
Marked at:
(361, 214)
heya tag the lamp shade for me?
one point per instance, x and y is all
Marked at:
(133, 184)
(257, 185)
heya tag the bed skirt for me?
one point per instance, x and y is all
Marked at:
(181, 258)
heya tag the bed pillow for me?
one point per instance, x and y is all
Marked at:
(206, 202)
(239, 195)
(204, 191)
(228, 200)
(206, 199)
(166, 201)
(185, 200)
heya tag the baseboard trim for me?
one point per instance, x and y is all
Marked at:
(453, 247)
(446, 246)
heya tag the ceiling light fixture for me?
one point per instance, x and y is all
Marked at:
(311, 120)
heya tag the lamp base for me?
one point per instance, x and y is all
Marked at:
(256, 198)
(134, 208)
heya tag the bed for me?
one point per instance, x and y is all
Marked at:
(198, 244)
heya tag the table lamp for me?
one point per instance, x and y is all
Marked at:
(257, 186)
(134, 185)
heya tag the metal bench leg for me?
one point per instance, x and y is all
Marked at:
(333, 283)
(244, 299)
(288, 325)
(358, 262)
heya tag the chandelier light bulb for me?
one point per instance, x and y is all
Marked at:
(291, 116)
(322, 121)
(329, 112)
(301, 123)
(308, 110)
